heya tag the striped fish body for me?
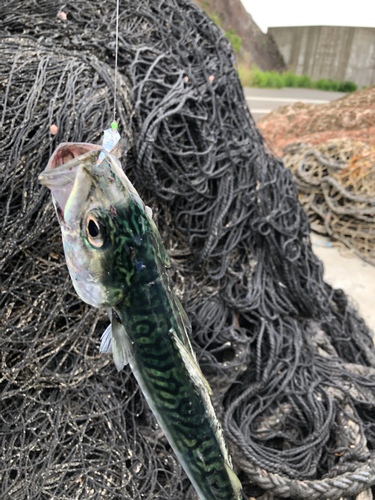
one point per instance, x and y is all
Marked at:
(166, 369)
(182, 409)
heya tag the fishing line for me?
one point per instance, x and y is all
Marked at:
(116, 56)
(111, 137)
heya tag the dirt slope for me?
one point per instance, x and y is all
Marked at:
(257, 48)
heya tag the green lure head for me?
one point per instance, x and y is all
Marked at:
(104, 223)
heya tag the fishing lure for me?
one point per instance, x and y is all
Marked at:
(117, 260)
(111, 139)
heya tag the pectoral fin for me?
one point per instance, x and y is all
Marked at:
(106, 340)
(122, 347)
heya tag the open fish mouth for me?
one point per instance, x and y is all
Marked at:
(61, 171)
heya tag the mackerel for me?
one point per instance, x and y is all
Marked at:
(117, 260)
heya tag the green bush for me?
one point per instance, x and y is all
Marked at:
(254, 77)
(234, 39)
(260, 78)
(334, 85)
(324, 84)
(346, 86)
(290, 79)
(321, 84)
(304, 81)
(275, 80)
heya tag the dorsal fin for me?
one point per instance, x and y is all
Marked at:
(184, 316)
(192, 365)
(148, 211)
(160, 251)
(184, 325)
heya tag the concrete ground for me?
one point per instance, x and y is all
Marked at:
(343, 269)
(262, 101)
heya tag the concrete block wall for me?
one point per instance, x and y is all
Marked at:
(336, 52)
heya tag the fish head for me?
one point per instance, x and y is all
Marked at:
(100, 215)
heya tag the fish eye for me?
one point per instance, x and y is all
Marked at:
(94, 232)
(93, 228)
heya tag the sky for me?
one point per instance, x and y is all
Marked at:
(267, 13)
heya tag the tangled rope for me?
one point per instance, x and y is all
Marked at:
(336, 181)
(290, 362)
(348, 484)
(351, 117)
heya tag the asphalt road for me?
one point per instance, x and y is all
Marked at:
(262, 101)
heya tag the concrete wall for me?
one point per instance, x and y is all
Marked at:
(336, 52)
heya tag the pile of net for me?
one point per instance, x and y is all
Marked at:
(336, 182)
(351, 117)
(291, 363)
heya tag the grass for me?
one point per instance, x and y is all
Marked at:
(254, 77)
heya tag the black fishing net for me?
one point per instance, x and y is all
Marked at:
(291, 363)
